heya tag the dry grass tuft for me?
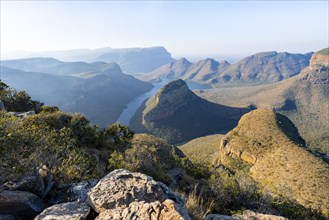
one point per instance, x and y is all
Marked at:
(197, 207)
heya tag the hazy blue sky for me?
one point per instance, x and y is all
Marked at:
(185, 28)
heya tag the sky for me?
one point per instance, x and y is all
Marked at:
(184, 28)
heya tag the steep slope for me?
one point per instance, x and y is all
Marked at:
(101, 98)
(131, 60)
(268, 146)
(176, 114)
(303, 98)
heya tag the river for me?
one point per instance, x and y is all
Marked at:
(132, 106)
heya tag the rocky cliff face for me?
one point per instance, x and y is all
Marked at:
(318, 70)
(320, 58)
(269, 147)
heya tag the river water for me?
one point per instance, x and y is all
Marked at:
(132, 106)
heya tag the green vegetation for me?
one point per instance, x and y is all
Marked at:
(18, 101)
(324, 51)
(68, 148)
(202, 150)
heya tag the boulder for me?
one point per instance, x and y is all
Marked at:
(2, 106)
(7, 217)
(22, 114)
(78, 191)
(247, 215)
(71, 192)
(126, 195)
(20, 204)
(65, 211)
(27, 183)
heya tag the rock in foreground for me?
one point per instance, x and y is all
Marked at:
(126, 195)
(247, 215)
(65, 211)
(20, 204)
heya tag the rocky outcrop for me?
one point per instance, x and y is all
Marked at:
(22, 114)
(247, 215)
(126, 195)
(318, 71)
(20, 204)
(65, 211)
(320, 58)
(27, 184)
(78, 191)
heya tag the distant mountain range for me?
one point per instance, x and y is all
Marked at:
(260, 68)
(131, 60)
(303, 98)
(176, 114)
(99, 90)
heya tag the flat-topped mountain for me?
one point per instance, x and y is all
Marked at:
(267, 146)
(260, 68)
(303, 98)
(100, 95)
(176, 114)
(53, 66)
(131, 60)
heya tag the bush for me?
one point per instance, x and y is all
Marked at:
(17, 101)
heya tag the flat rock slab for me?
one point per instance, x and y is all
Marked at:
(65, 211)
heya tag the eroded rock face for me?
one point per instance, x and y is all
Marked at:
(319, 60)
(318, 71)
(126, 195)
(247, 215)
(20, 204)
(65, 211)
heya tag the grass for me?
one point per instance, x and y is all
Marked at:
(324, 51)
(197, 207)
(203, 149)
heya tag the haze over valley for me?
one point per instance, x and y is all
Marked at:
(187, 110)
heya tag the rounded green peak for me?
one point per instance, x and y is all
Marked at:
(324, 51)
